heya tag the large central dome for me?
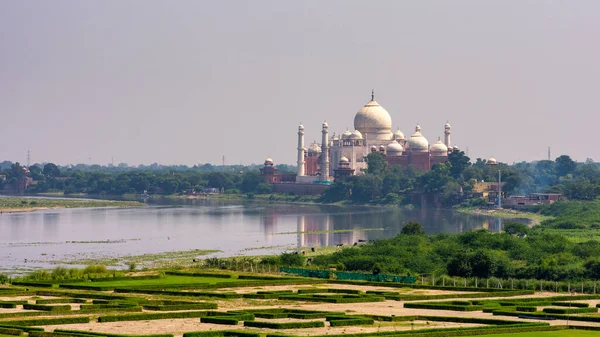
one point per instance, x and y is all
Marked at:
(374, 121)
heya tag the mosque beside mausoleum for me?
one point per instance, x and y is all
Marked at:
(343, 155)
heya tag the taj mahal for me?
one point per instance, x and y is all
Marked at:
(344, 155)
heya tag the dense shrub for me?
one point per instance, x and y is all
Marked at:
(285, 325)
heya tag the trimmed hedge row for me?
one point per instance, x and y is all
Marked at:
(93, 310)
(126, 278)
(194, 306)
(221, 333)
(60, 300)
(24, 328)
(47, 307)
(526, 309)
(546, 315)
(152, 316)
(227, 320)
(401, 297)
(574, 304)
(10, 331)
(569, 311)
(91, 333)
(178, 293)
(34, 284)
(49, 321)
(88, 295)
(217, 275)
(442, 306)
(344, 320)
(333, 299)
(285, 325)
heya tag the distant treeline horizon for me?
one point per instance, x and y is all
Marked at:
(452, 182)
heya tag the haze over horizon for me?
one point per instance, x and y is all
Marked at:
(187, 82)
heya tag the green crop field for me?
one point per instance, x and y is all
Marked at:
(559, 333)
(166, 280)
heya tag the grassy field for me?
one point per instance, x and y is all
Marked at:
(24, 204)
(166, 280)
(559, 333)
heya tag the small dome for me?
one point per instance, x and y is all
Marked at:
(356, 135)
(269, 161)
(455, 148)
(325, 125)
(335, 137)
(398, 135)
(491, 161)
(346, 134)
(344, 160)
(394, 149)
(439, 149)
(447, 125)
(381, 148)
(373, 148)
(418, 143)
(301, 127)
(314, 148)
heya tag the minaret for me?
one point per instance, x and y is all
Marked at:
(447, 133)
(300, 163)
(325, 153)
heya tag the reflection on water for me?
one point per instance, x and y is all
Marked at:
(234, 228)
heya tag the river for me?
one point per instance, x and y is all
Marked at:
(43, 239)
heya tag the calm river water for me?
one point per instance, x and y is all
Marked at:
(39, 239)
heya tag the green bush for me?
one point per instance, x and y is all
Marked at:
(24, 328)
(60, 300)
(443, 306)
(152, 316)
(286, 325)
(90, 333)
(569, 311)
(526, 309)
(49, 321)
(232, 320)
(573, 304)
(194, 306)
(9, 331)
(218, 275)
(47, 307)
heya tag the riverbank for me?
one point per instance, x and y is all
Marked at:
(25, 204)
(504, 213)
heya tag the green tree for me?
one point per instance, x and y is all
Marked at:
(51, 170)
(365, 187)
(376, 163)
(460, 162)
(515, 228)
(412, 228)
(337, 192)
(564, 165)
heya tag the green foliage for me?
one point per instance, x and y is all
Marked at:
(49, 321)
(412, 228)
(152, 316)
(515, 228)
(376, 163)
(285, 325)
(291, 259)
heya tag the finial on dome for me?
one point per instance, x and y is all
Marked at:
(417, 128)
(372, 94)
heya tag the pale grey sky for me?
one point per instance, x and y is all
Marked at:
(186, 82)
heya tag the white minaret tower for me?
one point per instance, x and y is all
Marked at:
(325, 153)
(447, 133)
(300, 163)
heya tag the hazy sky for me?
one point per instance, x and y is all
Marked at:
(185, 82)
